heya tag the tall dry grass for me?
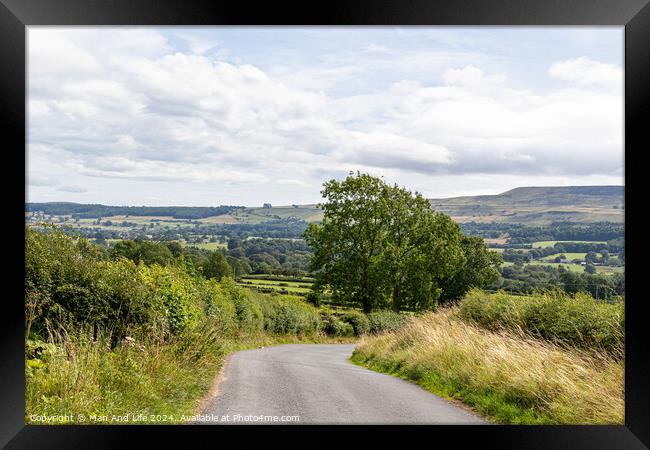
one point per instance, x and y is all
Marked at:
(508, 376)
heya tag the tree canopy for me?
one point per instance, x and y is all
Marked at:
(381, 246)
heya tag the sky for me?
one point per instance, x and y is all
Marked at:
(204, 116)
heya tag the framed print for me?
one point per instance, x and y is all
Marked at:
(381, 215)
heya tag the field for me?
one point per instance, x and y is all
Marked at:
(569, 256)
(207, 245)
(277, 285)
(308, 213)
(544, 244)
(571, 267)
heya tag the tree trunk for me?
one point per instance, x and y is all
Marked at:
(396, 297)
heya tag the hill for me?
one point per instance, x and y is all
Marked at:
(525, 205)
(539, 205)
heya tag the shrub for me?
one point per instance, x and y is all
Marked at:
(219, 308)
(174, 295)
(578, 321)
(335, 327)
(289, 315)
(247, 309)
(385, 320)
(359, 322)
(69, 283)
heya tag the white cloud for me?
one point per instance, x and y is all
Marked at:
(586, 72)
(73, 189)
(116, 111)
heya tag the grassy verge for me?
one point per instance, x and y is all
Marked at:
(577, 321)
(80, 379)
(505, 376)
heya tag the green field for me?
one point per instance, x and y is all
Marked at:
(569, 256)
(544, 244)
(208, 245)
(571, 267)
(277, 285)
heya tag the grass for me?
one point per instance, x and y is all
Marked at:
(570, 267)
(508, 377)
(208, 245)
(544, 244)
(578, 321)
(277, 285)
(76, 378)
(569, 256)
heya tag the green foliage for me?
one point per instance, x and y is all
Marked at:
(249, 314)
(218, 306)
(142, 251)
(358, 320)
(578, 320)
(70, 283)
(333, 326)
(174, 295)
(288, 315)
(83, 372)
(217, 266)
(380, 245)
(478, 268)
(385, 320)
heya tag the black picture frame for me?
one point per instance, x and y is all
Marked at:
(16, 15)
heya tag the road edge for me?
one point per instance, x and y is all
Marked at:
(213, 392)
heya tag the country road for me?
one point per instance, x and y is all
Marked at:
(316, 384)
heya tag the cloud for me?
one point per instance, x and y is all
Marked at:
(113, 110)
(586, 72)
(73, 189)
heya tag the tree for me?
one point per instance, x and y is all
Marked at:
(380, 245)
(591, 257)
(142, 251)
(479, 268)
(421, 246)
(217, 266)
(590, 268)
(348, 242)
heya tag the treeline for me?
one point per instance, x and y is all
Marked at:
(557, 231)
(242, 257)
(567, 231)
(93, 211)
(531, 278)
(596, 253)
(271, 256)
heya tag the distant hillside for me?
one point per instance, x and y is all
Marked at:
(539, 205)
(526, 205)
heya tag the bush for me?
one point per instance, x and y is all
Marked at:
(359, 322)
(335, 327)
(578, 321)
(174, 296)
(219, 308)
(386, 320)
(69, 283)
(289, 315)
(248, 311)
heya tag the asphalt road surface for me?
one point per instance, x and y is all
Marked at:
(316, 384)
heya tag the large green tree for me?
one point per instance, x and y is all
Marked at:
(347, 243)
(380, 245)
